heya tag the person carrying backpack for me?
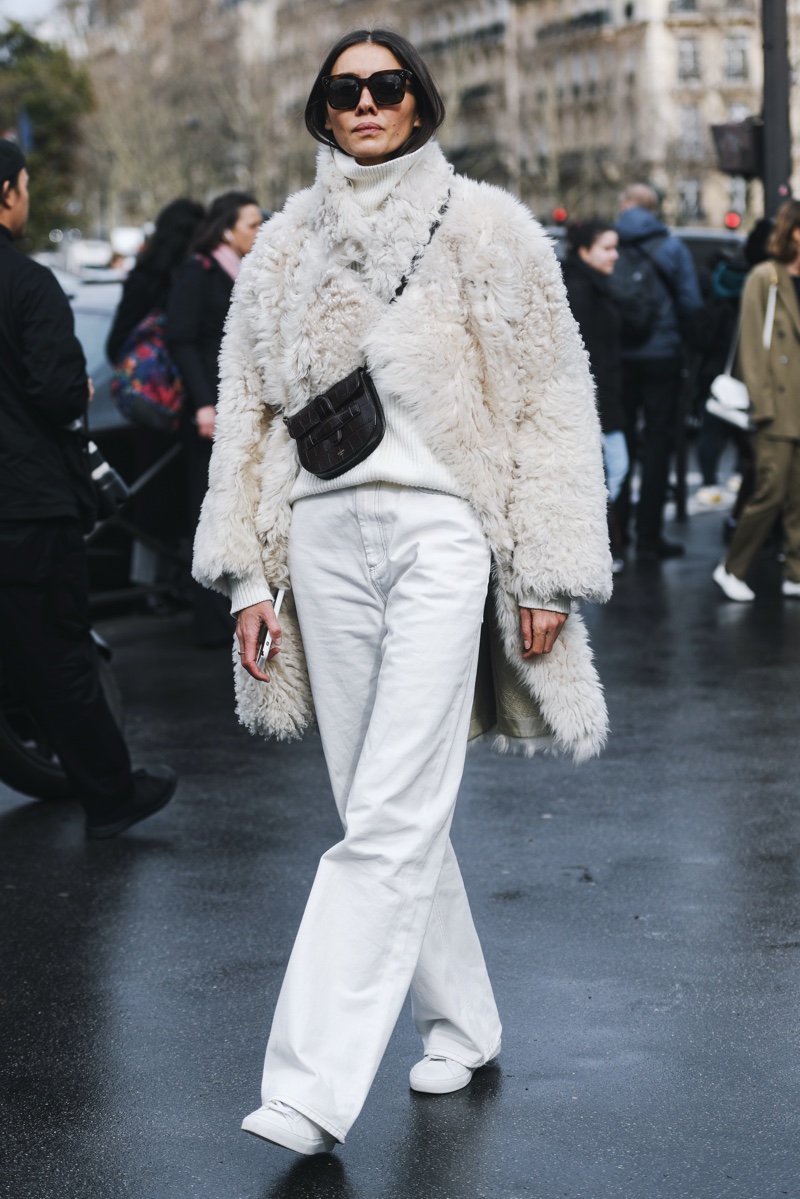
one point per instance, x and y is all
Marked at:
(657, 290)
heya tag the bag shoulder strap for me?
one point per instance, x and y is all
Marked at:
(403, 284)
(734, 346)
(769, 321)
(769, 316)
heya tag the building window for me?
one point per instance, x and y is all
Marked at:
(692, 131)
(735, 51)
(577, 74)
(737, 194)
(688, 58)
(690, 201)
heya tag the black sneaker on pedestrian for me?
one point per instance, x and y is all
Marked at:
(152, 791)
(656, 550)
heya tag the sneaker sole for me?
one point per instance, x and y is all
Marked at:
(287, 1139)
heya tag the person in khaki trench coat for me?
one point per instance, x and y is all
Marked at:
(769, 357)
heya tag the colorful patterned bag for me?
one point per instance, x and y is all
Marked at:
(145, 385)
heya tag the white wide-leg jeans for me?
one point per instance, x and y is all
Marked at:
(389, 584)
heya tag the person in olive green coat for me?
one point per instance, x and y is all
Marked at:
(769, 358)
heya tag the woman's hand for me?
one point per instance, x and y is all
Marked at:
(205, 418)
(248, 626)
(540, 629)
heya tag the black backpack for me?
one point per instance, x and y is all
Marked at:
(637, 288)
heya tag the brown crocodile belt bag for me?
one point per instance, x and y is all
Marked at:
(339, 428)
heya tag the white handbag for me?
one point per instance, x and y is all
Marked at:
(729, 400)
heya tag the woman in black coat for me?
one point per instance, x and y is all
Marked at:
(592, 256)
(159, 509)
(148, 285)
(196, 312)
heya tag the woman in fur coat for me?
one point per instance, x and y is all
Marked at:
(490, 463)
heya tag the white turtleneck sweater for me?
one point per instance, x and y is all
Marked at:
(402, 456)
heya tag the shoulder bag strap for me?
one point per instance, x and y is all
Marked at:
(729, 361)
(769, 316)
(769, 321)
(416, 259)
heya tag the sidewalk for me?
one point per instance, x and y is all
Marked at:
(640, 916)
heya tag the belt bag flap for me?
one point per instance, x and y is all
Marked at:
(324, 406)
(340, 428)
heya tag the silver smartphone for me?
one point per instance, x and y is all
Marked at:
(265, 637)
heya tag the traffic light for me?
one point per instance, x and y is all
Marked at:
(560, 215)
(732, 220)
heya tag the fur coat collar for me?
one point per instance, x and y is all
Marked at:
(482, 353)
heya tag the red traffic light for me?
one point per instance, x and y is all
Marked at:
(732, 220)
(560, 215)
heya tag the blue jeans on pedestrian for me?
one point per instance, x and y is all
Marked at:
(616, 462)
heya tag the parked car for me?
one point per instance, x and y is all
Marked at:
(123, 445)
(704, 244)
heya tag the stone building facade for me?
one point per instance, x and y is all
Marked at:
(561, 101)
(629, 91)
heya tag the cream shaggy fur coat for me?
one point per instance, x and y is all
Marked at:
(481, 351)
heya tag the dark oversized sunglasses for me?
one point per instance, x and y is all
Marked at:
(385, 87)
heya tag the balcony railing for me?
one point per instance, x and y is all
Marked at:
(586, 21)
(712, 7)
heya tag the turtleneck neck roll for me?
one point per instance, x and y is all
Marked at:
(372, 184)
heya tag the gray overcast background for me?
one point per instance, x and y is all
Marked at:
(26, 10)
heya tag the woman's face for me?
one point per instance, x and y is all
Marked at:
(241, 237)
(368, 133)
(602, 254)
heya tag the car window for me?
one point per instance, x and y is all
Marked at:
(92, 330)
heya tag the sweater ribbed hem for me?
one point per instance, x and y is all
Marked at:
(402, 457)
(245, 592)
(560, 602)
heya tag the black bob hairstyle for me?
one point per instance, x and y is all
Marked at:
(430, 105)
(581, 235)
(221, 216)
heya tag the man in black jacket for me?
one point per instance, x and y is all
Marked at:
(46, 499)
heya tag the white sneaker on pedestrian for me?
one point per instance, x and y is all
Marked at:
(283, 1125)
(791, 589)
(709, 497)
(439, 1075)
(735, 589)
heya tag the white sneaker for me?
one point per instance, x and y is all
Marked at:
(735, 589)
(791, 589)
(283, 1125)
(439, 1075)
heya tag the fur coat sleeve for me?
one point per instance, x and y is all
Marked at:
(558, 531)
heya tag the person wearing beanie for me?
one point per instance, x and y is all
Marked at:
(47, 652)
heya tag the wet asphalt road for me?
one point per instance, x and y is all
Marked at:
(639, 915)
